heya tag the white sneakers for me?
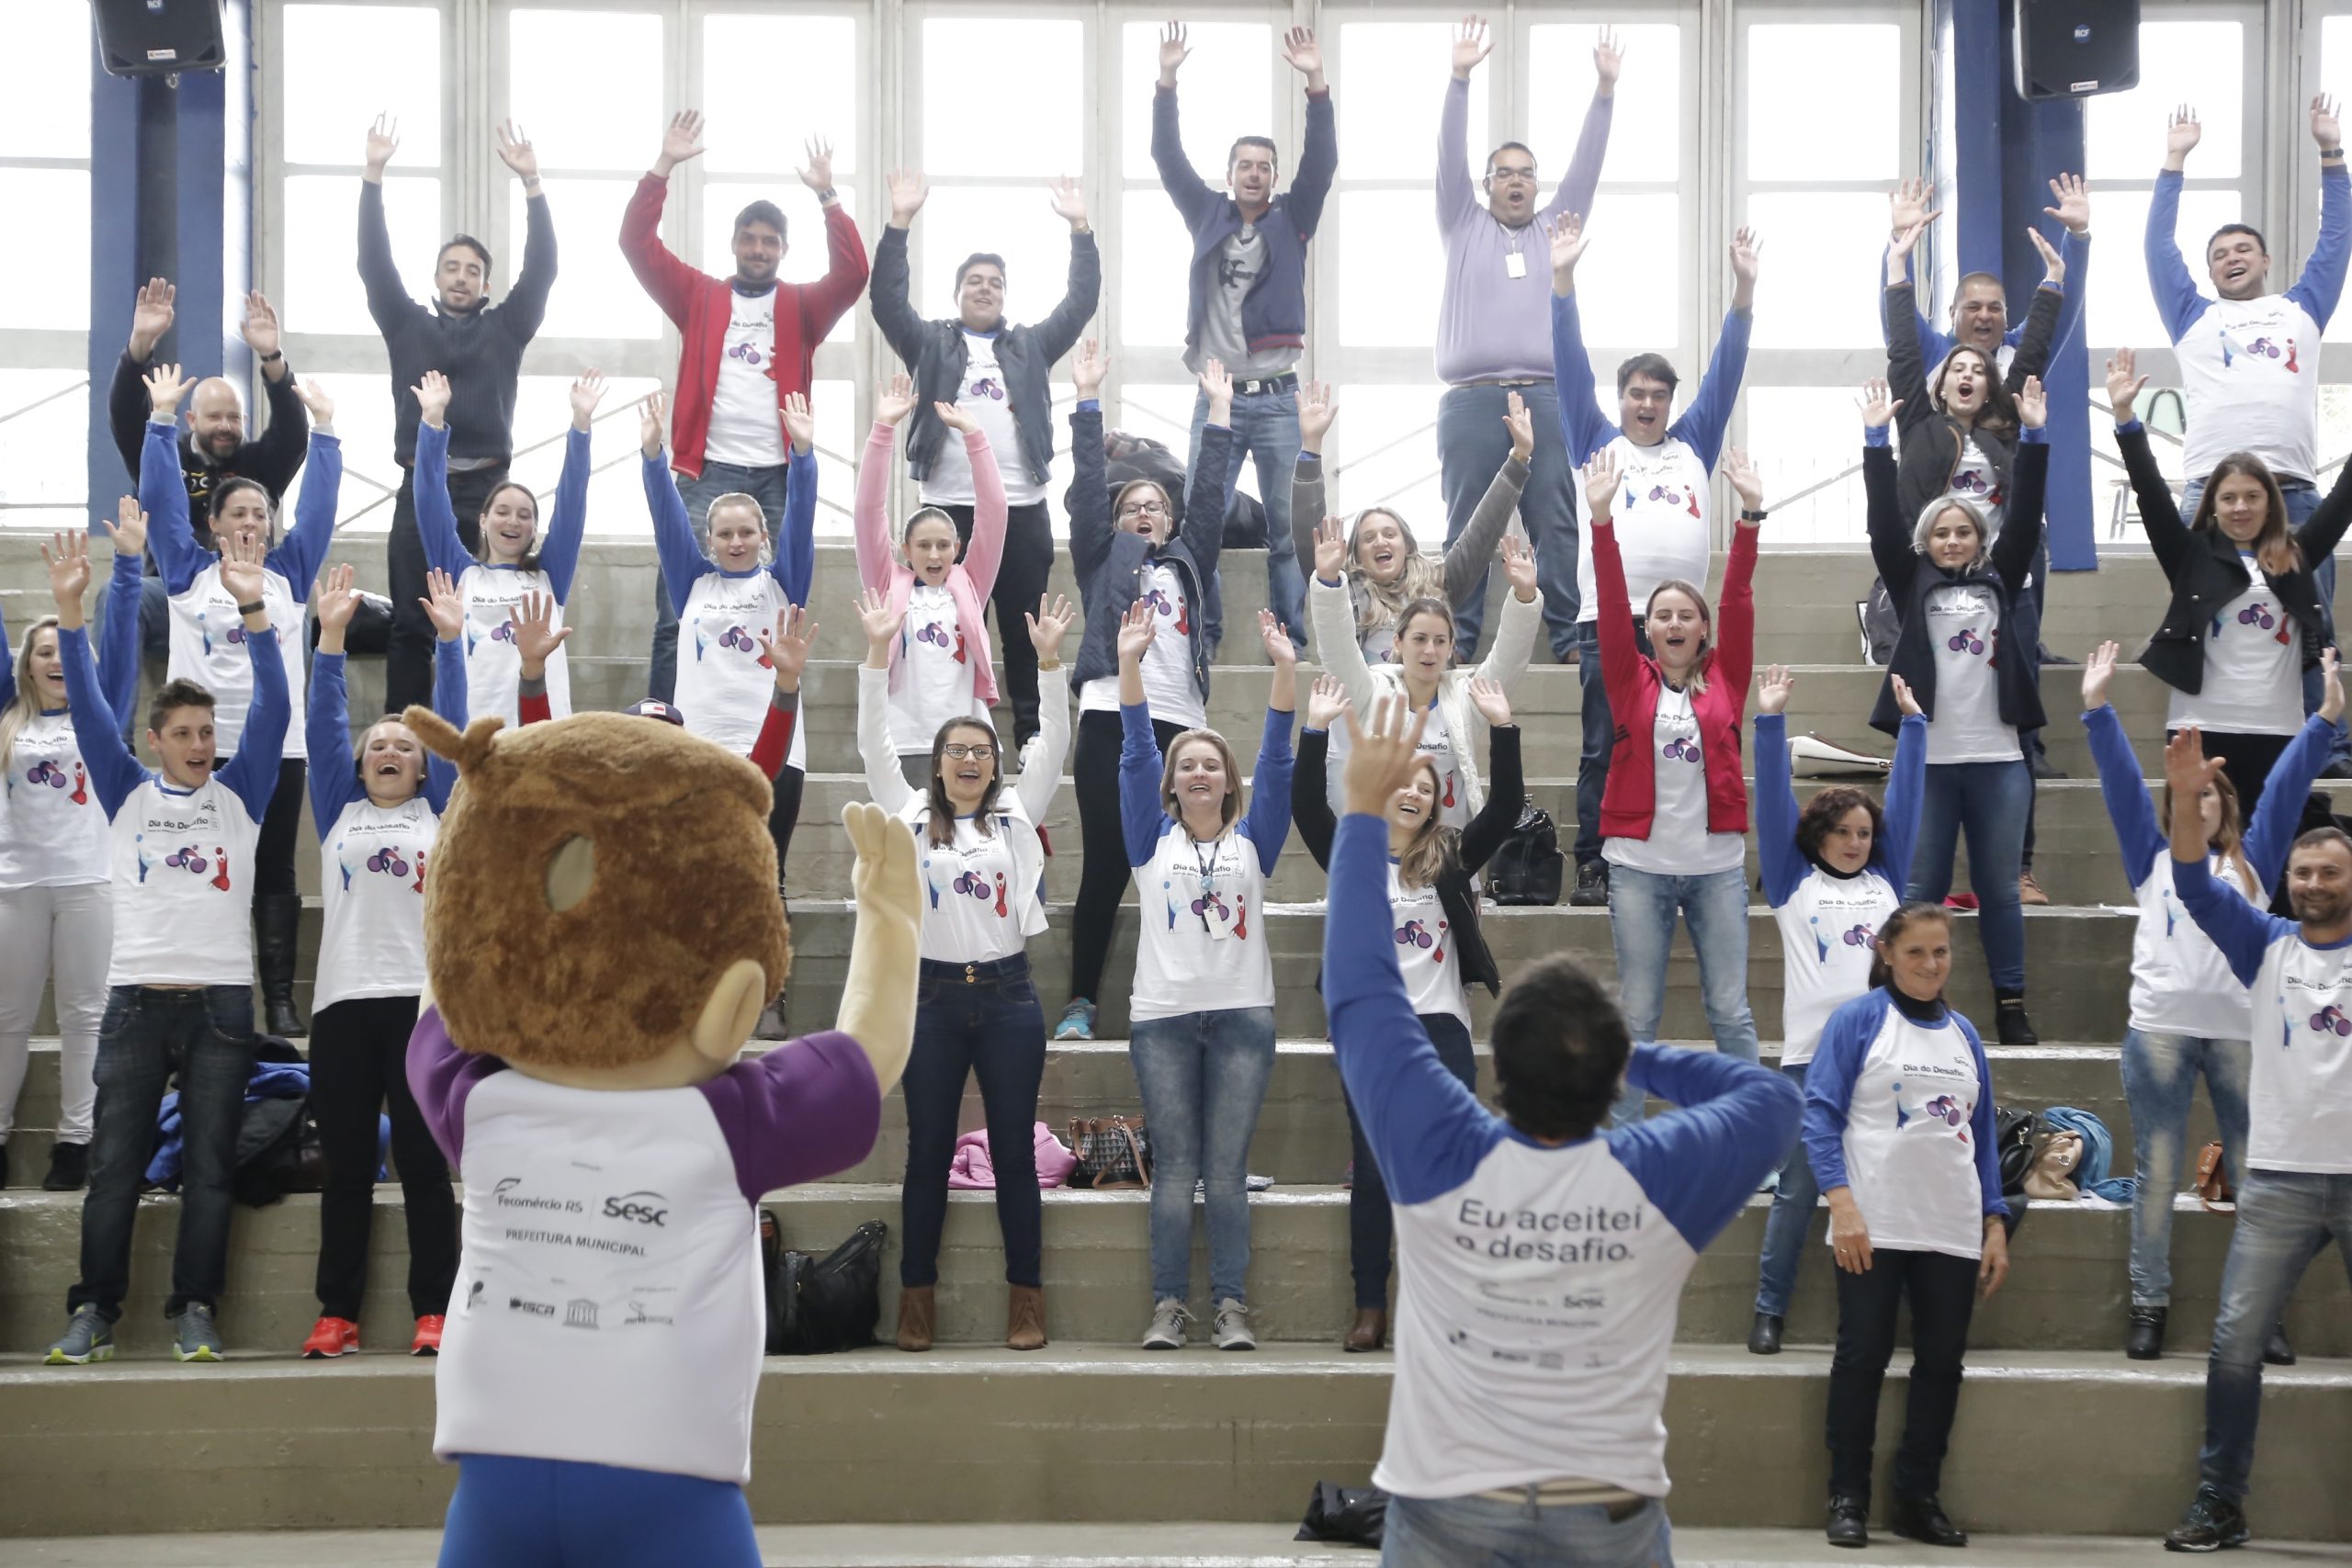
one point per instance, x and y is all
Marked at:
(1167, 1320)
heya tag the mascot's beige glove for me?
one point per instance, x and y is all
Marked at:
(878, 1007)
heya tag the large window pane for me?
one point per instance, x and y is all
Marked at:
(1396, 76)
(30, 443)
(1155, 269)
(750, 125)
(806, 253)
(1013, 221)
(553, 55)
(1385, 454)
(1392, 303)
(1798, 303)
(2197, 63)
(1802, 437)
(1630, 283)
(1158, 411)
(1645, 125)
(321, 270)
(1789, 66)
(2127, 317)
(1035, 129)
(597, 296)
(2335, 77)
(334, 87)
(617, 493)
(364, 422)
(31, 293)
(46, 111)
(1231, 92)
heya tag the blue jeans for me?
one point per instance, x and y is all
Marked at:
(2302, 499)
(1642, 907)
(1597, 738)
(1203, 1076)
(762, 485)
(1793, 1200)
(1372, 1226)
(1484, 1533)
(206, 1037)
(2284, 1218)
(1472, 443)
(978, 1019)
(1989, 801)
(2159, 1080)
(1266, 426)
(509, 1512)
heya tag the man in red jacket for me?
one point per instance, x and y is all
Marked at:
(749, 343)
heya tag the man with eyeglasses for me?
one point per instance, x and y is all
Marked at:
(1664, 521)
(746, 343)
(1493, 322)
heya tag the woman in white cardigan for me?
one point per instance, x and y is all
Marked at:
(976, 1009)
(1422, 664)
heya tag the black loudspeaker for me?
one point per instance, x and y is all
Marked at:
(2074, 48)
(159, 37)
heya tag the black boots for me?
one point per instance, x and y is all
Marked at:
(1922, 1518)
(2212, 1523)
(278, 920)
(2276, 1351)
(1849, 1521)
(1764, 1335)
(69, 1168)
(2144, 1341)
(2008, 1015)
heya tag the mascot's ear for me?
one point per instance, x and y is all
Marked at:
(469, 751)
(731, 1012)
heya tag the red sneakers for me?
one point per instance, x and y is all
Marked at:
(331, 1337)
(429, 1335)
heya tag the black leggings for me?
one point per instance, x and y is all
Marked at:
(359, 1066)
(1020, 580)
(784, 815)
(1102, 843)
(408, 662)
(280, 829)
(1942, 1290)
(1370, 1226)
(2248, 759)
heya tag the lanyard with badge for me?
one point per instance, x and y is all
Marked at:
(1214, 910)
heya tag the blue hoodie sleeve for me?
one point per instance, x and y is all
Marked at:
(1829, 1084)
(304, 548)
(796, 543)
(2121, 784)
(559, 551)
(1582, 425)
(162, 495)
(436, 519)
(2322, 282)
(251, 773)
(334, 781)
(1268, 823)
(2279, 813)
(113, 770)
(1704, 423)
(1907, 786)
(1981, 1124)
(450, 698)
(1700, 1164)
(1141, 820)
(118, 638)
(2177, 301)
(683, 561)
(1426, 1132)
(2242, 932)
(1776, 811)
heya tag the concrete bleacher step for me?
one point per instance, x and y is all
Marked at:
(1192, 1543)
(1105, 1432)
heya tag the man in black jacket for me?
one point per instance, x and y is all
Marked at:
(999, 373)
(478, 346)
(215, 446)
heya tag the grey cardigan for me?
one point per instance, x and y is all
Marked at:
(1466, 560)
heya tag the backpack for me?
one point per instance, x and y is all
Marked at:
(1528, 867)
(820, 1304)
(1245, 523)
(1881, 625)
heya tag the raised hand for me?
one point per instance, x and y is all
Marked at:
(2182, 133)
(1305, 56)
(1056, 615)
(128, 530)
(1326, 701)
(2053, 266)
(680, 140)
(1219, 386)
(1491, 701)
(1568, 240)
(1067, 199)
(1277, 642)
(895, 401)
(241, 571)
(1519, 565)
(1317, 409)
(1907, 703)
(383, 140)
(1600, 485)
(319, 403)
(2033, 405)
(1174, 49)
(909, 190)
(586, 393)
(1908, 207)
(432, 396)
(1087, 367)
(1385, 748)
(537, 636)
(787, 647)
(799, 423)
(68, 555)
(2326, 131)
(442, 605)
(2074, 199)
(338, 602)
(2098, 671)
(165, 388)
(1330, 549)
(2187, 768)
(955, 417)
(1608, 58)
(818, 174)
(259, 328)
(1137, 628)
(877, 619)
(648, 425)
(1471, 45)
(2122, 386)
(1773, 689)
(1747, 479)
(151, 317)
(2331, 702)
(1746, 246)
(514, 150)
(1899, 249)
(1521, 425)
(1878, 403)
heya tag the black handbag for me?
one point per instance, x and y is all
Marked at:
(1354, 1516)
(2014, 1132)
(816, 1305)
(1527, 867)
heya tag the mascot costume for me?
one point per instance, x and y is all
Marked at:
(600, 931)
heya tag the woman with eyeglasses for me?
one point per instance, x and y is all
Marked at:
(977, 1012)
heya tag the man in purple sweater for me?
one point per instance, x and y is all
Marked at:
(1491, 327)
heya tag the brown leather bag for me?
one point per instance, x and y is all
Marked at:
(1112, 1151)
(2213, 1187)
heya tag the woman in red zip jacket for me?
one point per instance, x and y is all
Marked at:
(1674, 818)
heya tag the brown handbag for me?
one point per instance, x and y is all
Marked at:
(2213, 1187)
(1112, 1153)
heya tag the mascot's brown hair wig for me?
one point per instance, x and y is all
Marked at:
(593, 880)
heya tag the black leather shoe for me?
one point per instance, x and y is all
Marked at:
(1922, 1519)
(1764, 1337)
(2144, 1341)
(2015, 1028)
(2212, 1523)
(2276, 1351)
(1849, 1521)
(69, 1168)
(1592, 885)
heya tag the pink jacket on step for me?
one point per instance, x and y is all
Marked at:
(970, 1168)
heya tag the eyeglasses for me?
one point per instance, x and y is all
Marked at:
(1144, 509)
(959, 751)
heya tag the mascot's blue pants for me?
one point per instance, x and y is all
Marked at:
(544, 1513)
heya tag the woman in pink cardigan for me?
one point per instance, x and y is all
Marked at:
(940, 667)
(1674, 818)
